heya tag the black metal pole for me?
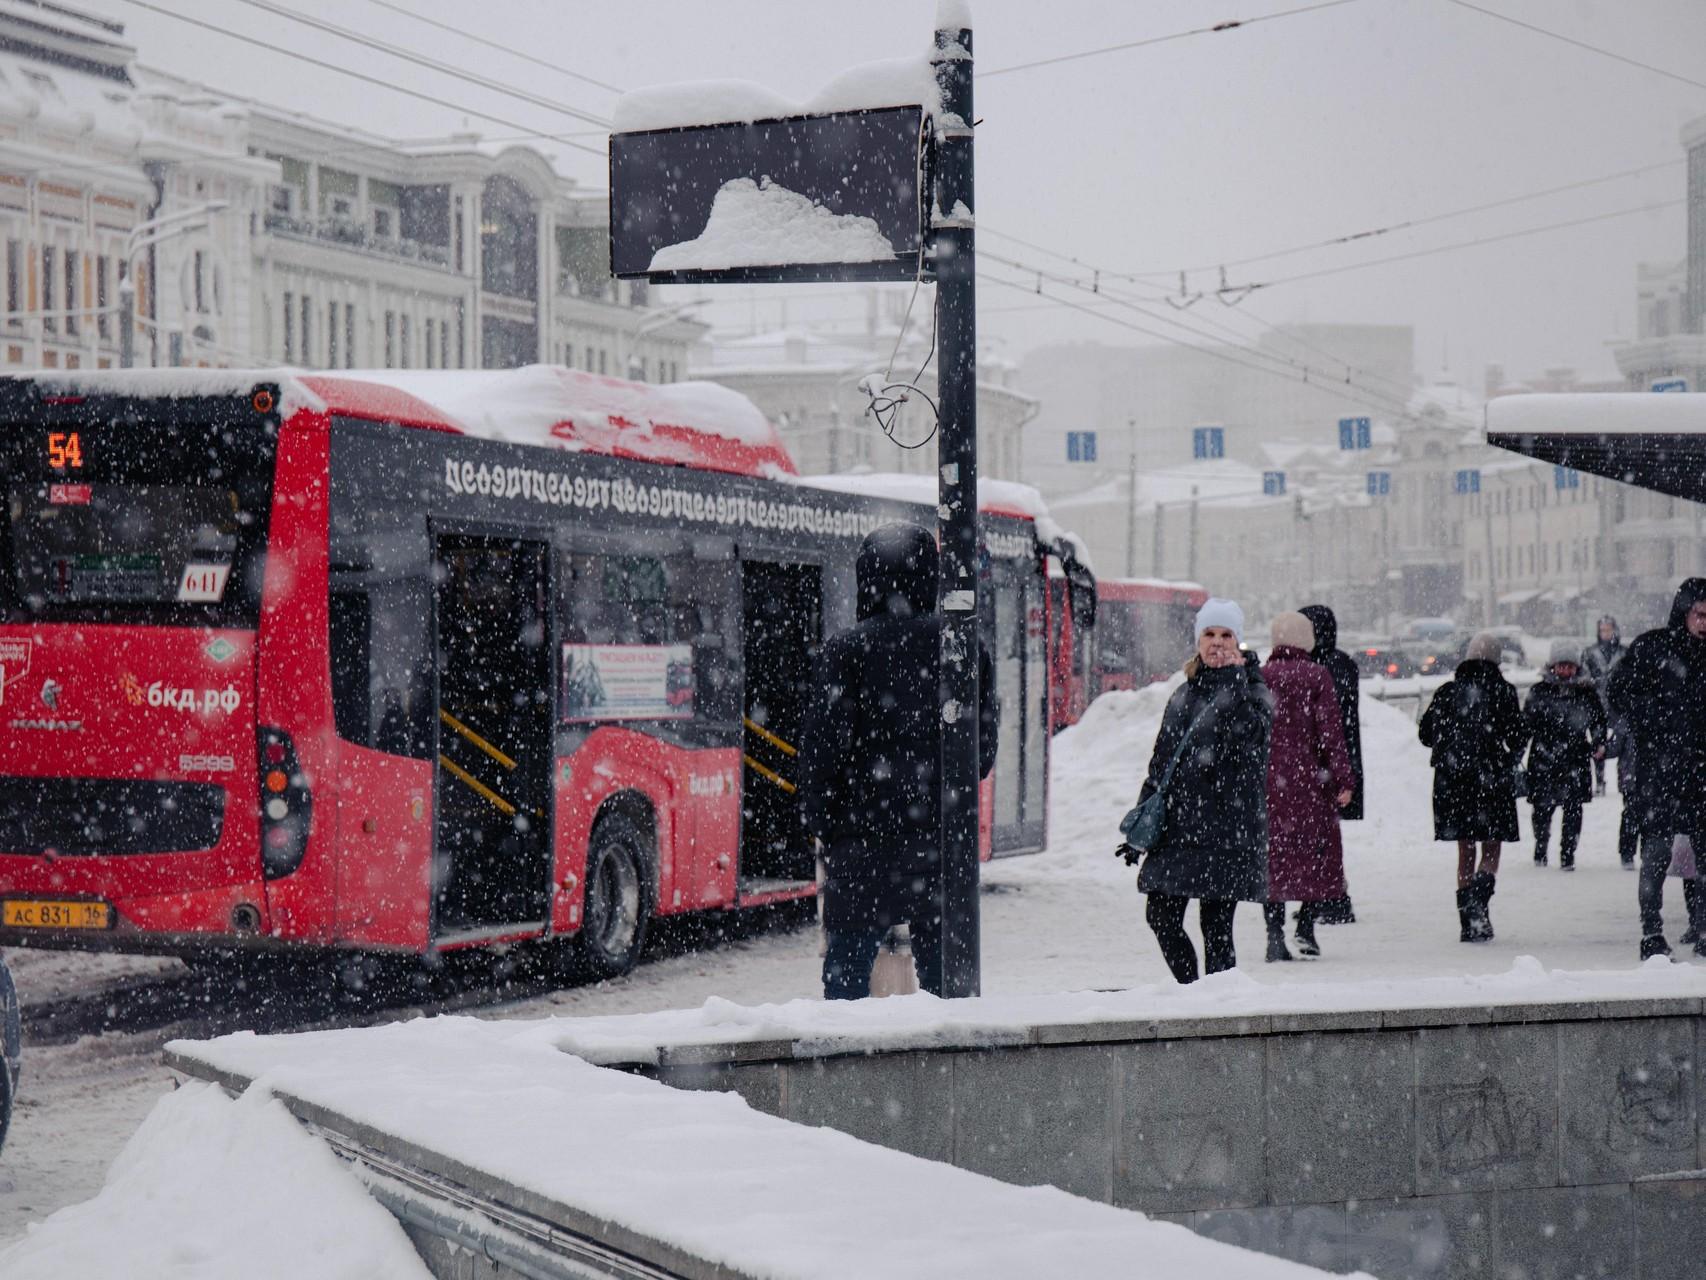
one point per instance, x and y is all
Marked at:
(956, 381)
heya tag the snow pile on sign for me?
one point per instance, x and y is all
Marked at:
(755, 224)
(211, 1187)
(701, 1170)
(896, 82)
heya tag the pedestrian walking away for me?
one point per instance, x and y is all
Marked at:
(870, 763)
(1597, 661)
(1347, 686)
(1210, 766)
(1474, 727)
(1658, 692)
(1309, 780)
(1566, 729)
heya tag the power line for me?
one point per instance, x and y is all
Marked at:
(391, 85)
(1471, 244)
(421, 60)
(1579, 44)
(1230, 25)
(493, 44)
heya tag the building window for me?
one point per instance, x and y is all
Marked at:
(430, 352)
(332, 335)
(601, 364)
(403, 349)
(349, 335)
(289, 328)
(307, 332)
(103, 323)
(48, 323)
(390, 339)
(71, 293)
(14, 280)
(444, 344)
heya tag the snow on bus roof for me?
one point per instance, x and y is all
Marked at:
(998, 497)
(691, 423)
(895, 82)
(1153, 584)
(1614, 413)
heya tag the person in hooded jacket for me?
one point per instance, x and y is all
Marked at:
(870, 763)
(1309, 780)
(1347, 687)
(1566, 730)
(1213, 843)
(1597, 661)
(1657, 691)
(1474, 727)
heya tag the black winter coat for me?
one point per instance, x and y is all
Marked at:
(1565, 725)
(871, 756)
(1475, 728)
(1347, 688)
(1658, 692)
(1214, 841)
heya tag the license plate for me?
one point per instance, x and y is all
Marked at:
(55, 915)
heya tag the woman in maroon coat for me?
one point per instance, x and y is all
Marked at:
(1309, 780)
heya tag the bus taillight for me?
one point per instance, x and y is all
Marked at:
(287, 807)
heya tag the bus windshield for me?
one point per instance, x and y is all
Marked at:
(149, 527)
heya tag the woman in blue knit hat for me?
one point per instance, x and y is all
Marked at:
(1211, 762)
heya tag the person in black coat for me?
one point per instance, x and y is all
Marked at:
(1474, 727)
(1347, 688)
(1566, 730)
(870, 763)
(1213, 844)
(1658, 691)
(1597, 661)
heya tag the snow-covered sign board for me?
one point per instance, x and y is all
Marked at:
(802, 197)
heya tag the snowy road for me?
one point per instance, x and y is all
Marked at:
(1068, 919)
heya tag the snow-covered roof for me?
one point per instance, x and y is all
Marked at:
(1654, 440)
(1005, 497)
(898, 82)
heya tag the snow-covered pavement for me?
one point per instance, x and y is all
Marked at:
(1066, 920)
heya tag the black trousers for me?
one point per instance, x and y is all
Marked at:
(1165, 913)
(1650, 893)
(1572, 833)
(1628, 838)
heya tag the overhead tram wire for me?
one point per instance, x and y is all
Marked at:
(421, 60)
(1578, 44)
(377, 82)
(501, 48)
(1233, 24)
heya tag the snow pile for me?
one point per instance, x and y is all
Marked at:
(758, 224)
(701, 1170)
(180, 384)
(1617, 413)
(208, 1187)
(1006, 497)
(897, 82)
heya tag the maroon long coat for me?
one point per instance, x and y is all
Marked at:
(1307, 768)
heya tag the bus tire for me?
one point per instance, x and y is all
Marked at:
(619, 896)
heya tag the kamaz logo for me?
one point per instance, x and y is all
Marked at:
(50, 691)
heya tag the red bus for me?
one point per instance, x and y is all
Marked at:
(1145, 629)
(424, 661)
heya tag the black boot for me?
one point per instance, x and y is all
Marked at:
(1273, 915)
(1306, 944)
(1654, 944)
(1334, 911)
(1481, 888)
(1691, 897)
(1466, 914)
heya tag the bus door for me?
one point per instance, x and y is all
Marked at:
(492, 868)
(782, 627)
(1015, 631)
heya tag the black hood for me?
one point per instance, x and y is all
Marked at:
(1690, 593)
(897, 572)
(1326, 628)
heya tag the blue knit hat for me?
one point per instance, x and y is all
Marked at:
(1221, 613)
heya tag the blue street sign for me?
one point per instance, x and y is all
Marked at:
(1356, 433)
(1467, 482)
(1273, 483)
(1208, 442)
(1379, 484)
(1671, 384)
(1566, 478)
(1080, 446)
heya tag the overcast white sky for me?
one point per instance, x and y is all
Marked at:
(1195, 151)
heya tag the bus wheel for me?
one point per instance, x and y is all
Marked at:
(618, 897)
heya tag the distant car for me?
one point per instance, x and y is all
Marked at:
(1385, 661)
(11, 1047)
(1433, 645)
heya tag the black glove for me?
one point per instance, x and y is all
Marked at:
(1130, 854)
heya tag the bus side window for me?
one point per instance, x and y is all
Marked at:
(380, 691)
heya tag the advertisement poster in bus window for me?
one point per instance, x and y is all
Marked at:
(627, 682)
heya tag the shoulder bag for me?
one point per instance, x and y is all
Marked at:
(1141, 827)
